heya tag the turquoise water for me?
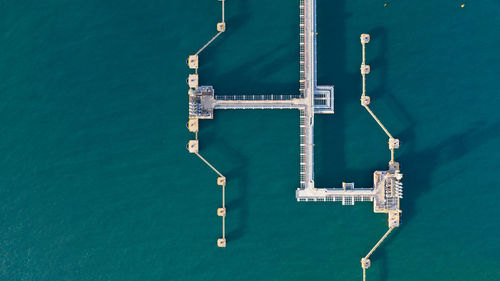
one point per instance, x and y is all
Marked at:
(96, 183)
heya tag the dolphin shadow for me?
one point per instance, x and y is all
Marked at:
(236, 188)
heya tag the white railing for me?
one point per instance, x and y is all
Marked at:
(256, 97)
(303, 150)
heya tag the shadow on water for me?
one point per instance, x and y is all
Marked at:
(421, 164)
(241, 77)
(238, 181)
(238, 17)
(418, 166)
(332, 70)
(332, 24)
(330, 129)
(262, 67)
(248, 76)
(237, 185)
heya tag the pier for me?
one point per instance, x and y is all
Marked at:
(311, 99)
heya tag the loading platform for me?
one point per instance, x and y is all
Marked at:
(311, 99)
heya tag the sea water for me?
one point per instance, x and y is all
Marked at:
(96, 182)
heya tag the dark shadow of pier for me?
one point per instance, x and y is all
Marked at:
(237, 191)
(332, 70)
(237, 184)
(249, 75)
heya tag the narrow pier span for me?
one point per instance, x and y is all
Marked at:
(311, 99)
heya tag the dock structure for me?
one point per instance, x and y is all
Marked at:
(311, 99)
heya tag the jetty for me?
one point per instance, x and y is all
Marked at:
(311, 99)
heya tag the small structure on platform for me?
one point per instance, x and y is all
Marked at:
(394, 166)
(221, 212)
(365, 100)
(221, 180)
(221, 242)
(221, 26)
(193, 125)
(365, 263)
(347, 186)
(393, 218)
(365, 38)
(393, 143)
(201, 102)
(365, 69)
(193, 146)
(193, 61)
(193, 81)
